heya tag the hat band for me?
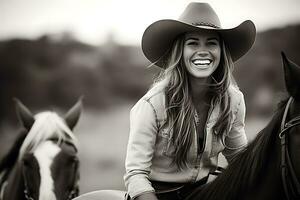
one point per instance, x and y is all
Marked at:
(205, 24)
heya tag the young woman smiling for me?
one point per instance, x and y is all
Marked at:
(193, 111)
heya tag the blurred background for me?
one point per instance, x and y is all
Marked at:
(52, 52)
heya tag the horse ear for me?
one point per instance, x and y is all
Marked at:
(73, 114)
(24, 114)
(292, 77)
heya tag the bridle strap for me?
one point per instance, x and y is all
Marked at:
(3, 183)
(26, 191)
(283, 149)
(291, 187)
(2, 189)
(73, 193)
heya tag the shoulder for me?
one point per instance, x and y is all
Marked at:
(235, 94)
(237, 99)
(154, 98)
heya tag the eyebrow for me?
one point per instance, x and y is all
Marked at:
(191, 38)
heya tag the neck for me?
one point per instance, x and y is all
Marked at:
(294, 109)
(199, 89)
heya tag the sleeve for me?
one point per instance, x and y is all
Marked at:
(236, 140)
(140, 148)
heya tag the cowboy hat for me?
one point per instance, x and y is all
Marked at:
(159, 36)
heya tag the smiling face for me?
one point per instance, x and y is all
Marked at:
(201, 53)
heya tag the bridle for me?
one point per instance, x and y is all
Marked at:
(72, 194)
(290, 182)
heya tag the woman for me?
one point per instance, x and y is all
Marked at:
(193, 111)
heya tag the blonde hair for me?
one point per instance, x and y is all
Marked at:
(47, 125)
(179, 106)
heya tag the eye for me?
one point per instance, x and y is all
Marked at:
(191, 43)
(213, 42)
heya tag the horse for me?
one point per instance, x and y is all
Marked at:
(268, 168)
(42, 164)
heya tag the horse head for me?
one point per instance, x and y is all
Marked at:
(291, 176)
(47, 166)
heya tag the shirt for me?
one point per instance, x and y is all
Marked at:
(150, 150)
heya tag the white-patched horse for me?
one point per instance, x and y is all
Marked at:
(42, 163)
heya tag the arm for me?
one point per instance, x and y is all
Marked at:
(140, 149)
(147, 196)
(236, 140)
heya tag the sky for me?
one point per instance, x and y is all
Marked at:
(96, 21)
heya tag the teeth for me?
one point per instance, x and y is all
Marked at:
(201, 62)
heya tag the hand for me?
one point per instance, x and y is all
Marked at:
(147, 196)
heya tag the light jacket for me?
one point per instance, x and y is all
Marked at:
(150, 150)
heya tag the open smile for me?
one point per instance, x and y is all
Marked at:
(202, 63)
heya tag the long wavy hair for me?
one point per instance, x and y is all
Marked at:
(179, 106)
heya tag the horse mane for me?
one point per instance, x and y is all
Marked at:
(47, 125)
(245, 169)
(10, 158)
(8, 161)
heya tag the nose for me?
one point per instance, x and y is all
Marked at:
(202, 53)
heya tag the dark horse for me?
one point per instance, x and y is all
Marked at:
(42, 163)
(268, 169)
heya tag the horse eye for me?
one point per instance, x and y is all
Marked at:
(26, 163)
(73, 159)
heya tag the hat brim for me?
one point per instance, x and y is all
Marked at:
(159, 36)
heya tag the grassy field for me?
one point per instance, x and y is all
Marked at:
(103, 140)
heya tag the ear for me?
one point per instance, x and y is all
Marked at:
(292, 77)
(24, 114)
(73, 114)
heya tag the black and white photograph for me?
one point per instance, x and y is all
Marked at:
(149, 100)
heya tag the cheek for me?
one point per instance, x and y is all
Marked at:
(187, 53)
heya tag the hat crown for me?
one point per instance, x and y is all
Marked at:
(200, 14)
